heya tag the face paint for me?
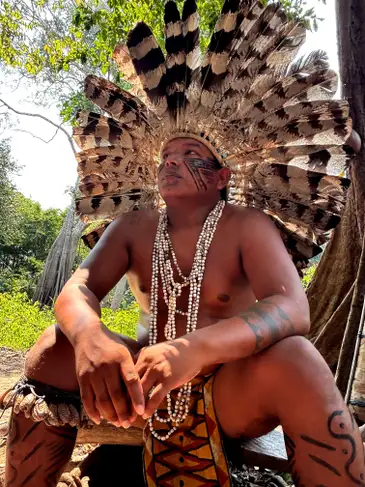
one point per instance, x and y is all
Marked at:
(203, 171)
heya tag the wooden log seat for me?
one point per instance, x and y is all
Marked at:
(267, 451)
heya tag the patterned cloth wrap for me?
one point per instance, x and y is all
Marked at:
(192, 457)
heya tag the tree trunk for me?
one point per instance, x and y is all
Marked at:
(58, 267)
(337, 291)
(119, 293)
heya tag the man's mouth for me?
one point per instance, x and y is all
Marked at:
(171, 175)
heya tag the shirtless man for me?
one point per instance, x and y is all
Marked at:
(253, 315)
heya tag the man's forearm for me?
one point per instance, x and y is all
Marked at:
(77, 309)
(262, 325)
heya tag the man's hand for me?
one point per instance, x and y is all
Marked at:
(109, 383)
(165, 367)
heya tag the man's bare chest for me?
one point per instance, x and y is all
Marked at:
(224, 287)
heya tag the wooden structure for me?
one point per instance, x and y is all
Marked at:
(267, 452)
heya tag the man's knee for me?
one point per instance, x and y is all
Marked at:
(297, 369)
(51, 360)
(296, 353)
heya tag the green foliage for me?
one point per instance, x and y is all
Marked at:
(27, 235)
(22, 322)
(123, 321)
(72, 105)
(308, 275)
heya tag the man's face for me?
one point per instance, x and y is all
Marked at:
(188, 168)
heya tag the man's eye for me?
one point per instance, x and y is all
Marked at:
(191, 152)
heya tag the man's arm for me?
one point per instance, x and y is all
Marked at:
(103, 362)
(281, 309)
(77, 307)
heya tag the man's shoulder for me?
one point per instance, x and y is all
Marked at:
(133, 223)
(244, 215)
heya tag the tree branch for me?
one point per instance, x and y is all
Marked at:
(36, 136)
(42, 117)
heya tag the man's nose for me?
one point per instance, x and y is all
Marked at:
(173, 160)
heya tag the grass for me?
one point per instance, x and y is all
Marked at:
(21, 321)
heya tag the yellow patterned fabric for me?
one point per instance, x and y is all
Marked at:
(193, 456)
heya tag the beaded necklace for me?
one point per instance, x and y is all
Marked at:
(162, 266)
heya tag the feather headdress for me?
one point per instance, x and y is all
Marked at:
(271, 121)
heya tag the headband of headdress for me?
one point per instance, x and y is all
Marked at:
(271, 120)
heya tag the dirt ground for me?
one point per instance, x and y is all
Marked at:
(11, 367)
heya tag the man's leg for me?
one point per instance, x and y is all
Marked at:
(290, 384)
(37, 453)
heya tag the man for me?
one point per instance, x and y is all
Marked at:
(224, 350)
(254, 390)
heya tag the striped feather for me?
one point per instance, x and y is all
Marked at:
(293, 211)
(266, 121)
(214, 66)
(289, 91)
(120, 104)
(305, 187)
(313, 130)
(95, 130)
(175, 63)
(149, 63)
(92, 238)
(107, 205)
(190, 19)
(323, 159)
(190, 26)
(124, 62)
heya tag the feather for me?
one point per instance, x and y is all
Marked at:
(175, 62)
(149, 63)
(124, 62)
(318, 58)
(301, 186)
(190, 26)
(107, 205)
(123, 106)
(326, 159)
(288, 91)
(288, 210)
(190, 19)
(92, 238)
(214, 66)
(266, 121)
(94, 130)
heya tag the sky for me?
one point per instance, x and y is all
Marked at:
(49, 169)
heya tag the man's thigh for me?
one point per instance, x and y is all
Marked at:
(241, 401)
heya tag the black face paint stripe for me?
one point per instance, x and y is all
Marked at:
(196, 177)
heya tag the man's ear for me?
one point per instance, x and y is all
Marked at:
(224, 176)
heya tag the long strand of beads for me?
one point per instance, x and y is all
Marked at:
(171, 290)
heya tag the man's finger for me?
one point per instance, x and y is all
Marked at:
(157, 396)
(133, 384)
(103, 401)
(88, 400)
(118, 396)
(149, 380)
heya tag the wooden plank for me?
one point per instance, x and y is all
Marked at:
(267, 451)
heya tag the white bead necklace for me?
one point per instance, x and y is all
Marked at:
(162, 266)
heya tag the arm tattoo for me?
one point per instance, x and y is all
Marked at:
(268, 322)
(342, 458)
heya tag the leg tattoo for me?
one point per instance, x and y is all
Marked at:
(37, 453)
(339, 456)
